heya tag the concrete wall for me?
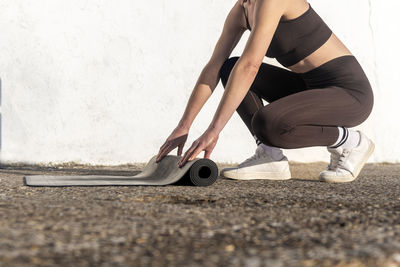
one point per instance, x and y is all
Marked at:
(104, 82)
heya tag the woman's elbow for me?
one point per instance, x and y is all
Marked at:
(248, 67)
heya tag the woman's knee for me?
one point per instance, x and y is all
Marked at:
(366, 108)
(226, 69)
(269, 127)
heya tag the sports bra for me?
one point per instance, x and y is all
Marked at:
(297, 38)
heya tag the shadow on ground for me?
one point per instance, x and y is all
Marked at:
(299, 222)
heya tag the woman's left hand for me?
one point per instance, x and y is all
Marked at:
(206, 142)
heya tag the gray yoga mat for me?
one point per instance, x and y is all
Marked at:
(198, 172)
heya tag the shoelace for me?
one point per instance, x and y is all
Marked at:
(337, 160)
(334, 161)
(342, 158)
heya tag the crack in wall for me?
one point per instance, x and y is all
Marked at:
(371, 30)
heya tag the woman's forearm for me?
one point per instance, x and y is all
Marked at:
(239, 82)
(205, 85)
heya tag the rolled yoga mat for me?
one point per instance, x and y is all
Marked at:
(198, 172)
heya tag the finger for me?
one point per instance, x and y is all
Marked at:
(187, 154)
(164, 145)
(209, 149)
(207, 154)
(195, 153)
(190, 151)
(183, 160)
(180, 148)
(163, 152)
(159, 156)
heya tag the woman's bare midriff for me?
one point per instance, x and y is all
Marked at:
(332, 48)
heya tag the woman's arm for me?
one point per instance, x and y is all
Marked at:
(209, 77)
(267, 16)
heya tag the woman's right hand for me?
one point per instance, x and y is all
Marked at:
(176, 139)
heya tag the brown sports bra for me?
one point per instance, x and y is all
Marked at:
(297, 38)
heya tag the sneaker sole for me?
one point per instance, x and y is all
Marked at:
(259, 176)
(350, 178)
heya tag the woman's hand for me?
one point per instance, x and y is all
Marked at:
(176, 139)
(206, 142)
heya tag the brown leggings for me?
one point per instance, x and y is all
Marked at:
(304, 109)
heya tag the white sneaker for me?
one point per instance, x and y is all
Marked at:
(346, 163)
(259, 166)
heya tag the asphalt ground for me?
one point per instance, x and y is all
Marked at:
(299, 222)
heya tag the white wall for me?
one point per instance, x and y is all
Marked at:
(104, 82)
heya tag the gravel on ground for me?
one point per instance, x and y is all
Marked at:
(298, 222)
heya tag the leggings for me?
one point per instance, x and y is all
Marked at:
(304, 109)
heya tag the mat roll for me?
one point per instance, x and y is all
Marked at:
(198, 172)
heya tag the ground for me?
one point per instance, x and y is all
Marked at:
(298, 222)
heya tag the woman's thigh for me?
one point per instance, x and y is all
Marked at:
(306, 113)
(325, 106)
(271, 82)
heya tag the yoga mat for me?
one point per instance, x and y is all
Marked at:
(198, 172)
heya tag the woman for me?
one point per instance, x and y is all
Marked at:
(322, 92)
